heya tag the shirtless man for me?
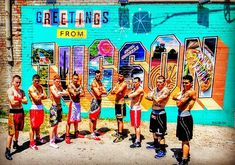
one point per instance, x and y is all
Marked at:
(16, 97)
(74, 115)
(120, 106)
(36, 95)
(56, 111)
(159, 96)
(136, 97)
(185, 101)
(98, 90)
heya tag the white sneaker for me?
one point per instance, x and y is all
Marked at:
(53, 145)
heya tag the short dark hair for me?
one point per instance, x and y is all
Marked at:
(137, 78)
(16, 76)
(75, 74)
(161, 77)
(36, 76)
(188, 77)
(97, 71)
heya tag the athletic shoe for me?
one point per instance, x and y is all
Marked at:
(160, 154)
(135, 145)
(184, 162)
(53, 145)
(59, 139)
(8, 154)
(67, 140)
(33, 147)
(15, 145)
(41, 141)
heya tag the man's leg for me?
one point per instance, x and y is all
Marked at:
(67, 135)
(93, 128)
(137, 140)
(120, 125)
(52, 136)
(8, 147)
(185, 149)
(15, 142)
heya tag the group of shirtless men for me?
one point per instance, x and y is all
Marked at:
(159, 96)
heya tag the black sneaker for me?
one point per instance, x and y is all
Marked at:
(184, 162)
(8, 154)
(15, 145)
(135, 145)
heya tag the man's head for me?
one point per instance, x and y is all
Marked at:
(36, 80)
(160, 82)
(16, 81)
(187, 82)
(75, 78)
(120, 77)
(136, 82)
(98, 75)
(57, 80)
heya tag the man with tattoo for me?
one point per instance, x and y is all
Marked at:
(159, 96)
(74, 114)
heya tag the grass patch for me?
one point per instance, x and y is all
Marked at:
(3, 114)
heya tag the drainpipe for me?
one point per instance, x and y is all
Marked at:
(9, 32)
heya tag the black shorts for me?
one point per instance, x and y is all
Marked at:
(55, 115)
(120, 110)
(184, 129)
(158, 123)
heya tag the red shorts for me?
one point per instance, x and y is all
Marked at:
(36, 118)
(135, 117)
(95, 114)
(15, 121)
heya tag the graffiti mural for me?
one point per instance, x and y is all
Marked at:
(164, 60)
(143, 41)
(101, 49)
(200, 62)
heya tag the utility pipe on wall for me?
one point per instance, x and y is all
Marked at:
(8, 32)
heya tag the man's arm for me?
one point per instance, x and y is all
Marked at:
(54, 92)
(24, 98)
(165, 94)
(136, 93)
(96, 89)
(192, 100)
(10, 95)
(182, 101)
(34, 95)
(44, 96)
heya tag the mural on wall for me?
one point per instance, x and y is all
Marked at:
(78, 61)
(42, 53)
(64, 64)
(199, 62)
(135, 39)
(164, 60)
(105, 50)
(136, 51)
(43, 72)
